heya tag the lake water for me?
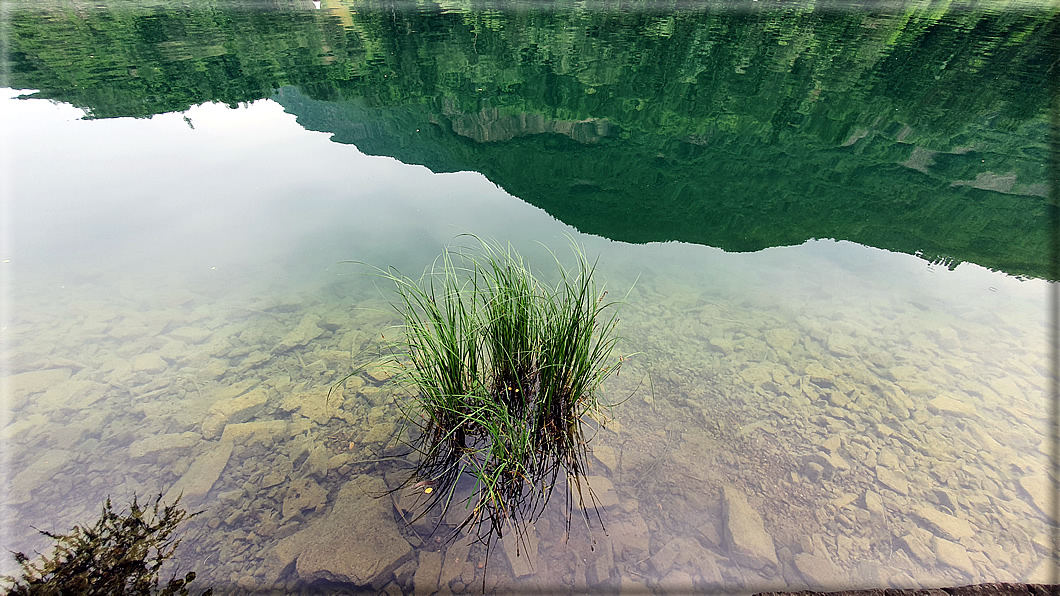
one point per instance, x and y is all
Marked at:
(833, 257)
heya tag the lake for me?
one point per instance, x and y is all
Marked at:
(827, 226)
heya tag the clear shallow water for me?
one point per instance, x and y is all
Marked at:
(883, 418)
(823, 415)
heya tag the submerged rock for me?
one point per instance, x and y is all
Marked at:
(306, 331)
(201, 476)
(425, 581)
(745, 533)
(163, 443)
(945, 525)
(303, 495)
(892, 480)
(520, 550)
(603, 492)
(918, 544)
(149, 363)
(232, 411)
(37, 474)
(954, 555)
(265, 432)
(456, 562)
(23, 384)
(948, 404)
(72, 394)
(357, 542)
(819, 571)
(1036, 488)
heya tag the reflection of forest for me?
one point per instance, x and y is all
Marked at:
(921, 130)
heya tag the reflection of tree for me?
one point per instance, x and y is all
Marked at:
(139, 62)
(736, 129)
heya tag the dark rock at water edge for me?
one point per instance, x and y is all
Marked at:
(997, 589)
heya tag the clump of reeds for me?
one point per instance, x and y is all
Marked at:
(504, 370)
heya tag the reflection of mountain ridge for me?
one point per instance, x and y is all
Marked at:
(699, 190)
(914, 128)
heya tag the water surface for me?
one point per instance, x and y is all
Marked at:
(823, 411)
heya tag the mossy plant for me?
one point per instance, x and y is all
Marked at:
(121, 554)
(504, 371)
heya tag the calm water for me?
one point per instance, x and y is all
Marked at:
(834, 253)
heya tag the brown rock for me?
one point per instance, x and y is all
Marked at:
(427, 572)
(606, 456)
(73, 394)
(232, 411)
(357, 542)
(306, 331)
(945, 525)
(201, 476)
(149, 363)
(303, 494)
(819, 570)
(1036, 488)
(630, 535)
(745, 533)
(36, 474)
(521, 550)
(917, 544)
(892, 480)
(677, 553)
(27, 383)
(265, 432)
(164, 442)
(455, 558)
(950, 404)
(603, 490)
(954, 555)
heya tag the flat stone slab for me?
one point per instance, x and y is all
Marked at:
(232, 411)
(164, 442)
(357, 542)
(745, 533)
(1037, 489)
(954, 555)
(37, 474)
(948, 404)
(945, 525)
(265, 432)
(892, 480)
(819, 570)
(604, 491)
(24, 384)
(201, 476)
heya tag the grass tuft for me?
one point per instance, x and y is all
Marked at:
(504, 370)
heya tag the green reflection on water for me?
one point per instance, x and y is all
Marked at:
(915, 128)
